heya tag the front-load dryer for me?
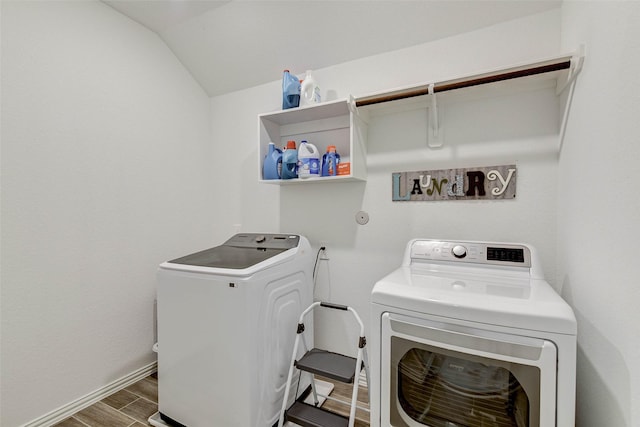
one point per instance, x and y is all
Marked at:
(470, 334)
(226, 328)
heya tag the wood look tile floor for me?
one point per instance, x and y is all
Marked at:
(129, 407)
(133, 405)
(343, 392)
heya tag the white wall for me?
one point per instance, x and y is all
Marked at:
(599, 210)
(521, 129)
(106, 150)
(106, 172)
(580, 211)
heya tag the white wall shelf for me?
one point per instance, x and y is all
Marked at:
(560, 71)
(327, 123)
(555, 68)
(343, 122)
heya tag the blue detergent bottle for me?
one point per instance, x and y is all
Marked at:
(330, 161)
(290, 90)
(290, 161)
(272, 166)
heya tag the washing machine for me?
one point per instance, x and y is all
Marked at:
(468, 333)
(227, 321)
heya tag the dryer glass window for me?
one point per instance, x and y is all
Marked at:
(442, 388)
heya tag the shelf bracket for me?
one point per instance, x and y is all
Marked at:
(574, 69)
(351, 103)
(434, 133)
(353, 107)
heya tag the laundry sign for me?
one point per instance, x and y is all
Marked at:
(482, 183)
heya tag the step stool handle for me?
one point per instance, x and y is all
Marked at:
(336, 306)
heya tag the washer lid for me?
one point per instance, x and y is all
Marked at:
(494, 300)
(241, 251)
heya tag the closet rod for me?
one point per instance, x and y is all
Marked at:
(472, 81)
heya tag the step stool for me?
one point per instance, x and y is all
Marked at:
(330, 365)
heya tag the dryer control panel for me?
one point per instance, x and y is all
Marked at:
(471, 252)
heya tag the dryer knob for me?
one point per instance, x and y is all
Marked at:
(260, 239)
(459, 251)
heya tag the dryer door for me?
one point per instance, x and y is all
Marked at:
(438, 374)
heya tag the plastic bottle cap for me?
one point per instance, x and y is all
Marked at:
(291, 144)
(285, 71)
(331, 149)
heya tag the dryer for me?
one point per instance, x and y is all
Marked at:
(470, 334)
(226, 328)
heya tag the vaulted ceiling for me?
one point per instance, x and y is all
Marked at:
(230, 45)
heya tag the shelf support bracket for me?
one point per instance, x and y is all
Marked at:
(353, 107)
(434, 133)
(351, 103)
(574, 69)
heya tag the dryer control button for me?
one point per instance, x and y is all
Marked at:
(459, 251)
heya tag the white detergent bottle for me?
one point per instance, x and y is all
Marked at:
(309, 92)
(308, 160)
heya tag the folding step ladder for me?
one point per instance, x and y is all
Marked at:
(330, 365)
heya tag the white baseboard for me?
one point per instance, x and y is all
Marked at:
(71, 408)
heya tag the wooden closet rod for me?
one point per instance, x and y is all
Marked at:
(472, 81)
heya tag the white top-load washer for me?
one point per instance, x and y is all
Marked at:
(226, 327)
(469, 333)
